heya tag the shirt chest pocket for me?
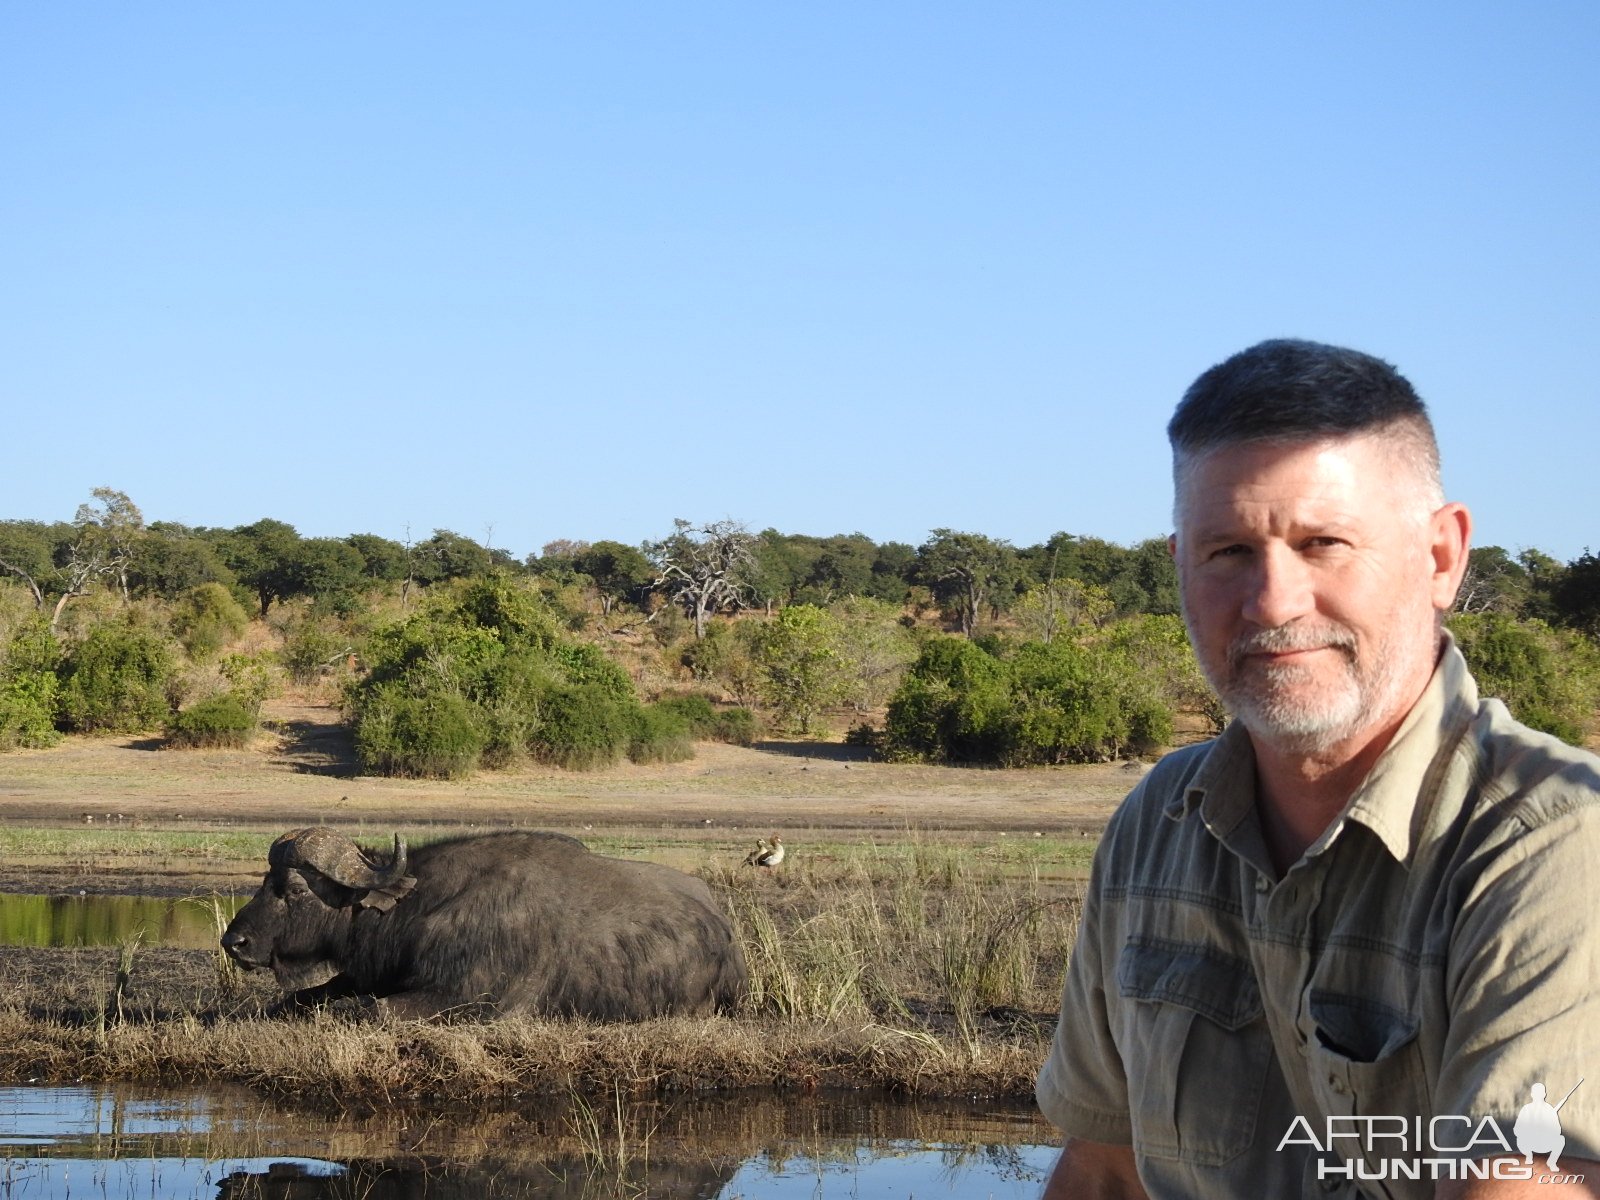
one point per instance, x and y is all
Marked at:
(1194, 1040)
(1364, 1058)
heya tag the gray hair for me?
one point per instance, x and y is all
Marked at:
(1287, 390)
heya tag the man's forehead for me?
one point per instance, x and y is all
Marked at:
(1334, 480)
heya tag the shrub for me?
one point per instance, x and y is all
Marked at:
(1043, 703)
(427, 737)
(582, 728)
(695, 710)
(803, 672)
(29, 689)
(224, 721)
(310, 647)
(253, 677)
(661, 735)
(117, 680)
(1548, 678)
(206, 618)
(25, 723)
(736, 726)
(483, 673)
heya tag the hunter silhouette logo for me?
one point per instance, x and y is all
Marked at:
(1443, 1146)
(1538, 1128)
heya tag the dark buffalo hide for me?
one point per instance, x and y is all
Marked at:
(506, 922)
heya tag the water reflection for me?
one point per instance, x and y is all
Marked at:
(55, 921)
(226, 1144)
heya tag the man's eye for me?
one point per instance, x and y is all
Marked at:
(1232, 551)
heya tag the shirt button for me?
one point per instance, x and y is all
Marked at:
(1263, 884)
(1336, 1084)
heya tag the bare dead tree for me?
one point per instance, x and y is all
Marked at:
(86, 562)
(107, 532)
(703, 567)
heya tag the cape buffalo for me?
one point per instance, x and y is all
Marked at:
(508, 922)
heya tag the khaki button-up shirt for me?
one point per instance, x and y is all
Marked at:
(1433, 955)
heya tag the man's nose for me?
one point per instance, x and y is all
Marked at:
(1280, 589)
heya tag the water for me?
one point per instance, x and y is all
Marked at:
(56, 921)
(226, 1144)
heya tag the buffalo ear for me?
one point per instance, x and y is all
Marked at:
(386, 897)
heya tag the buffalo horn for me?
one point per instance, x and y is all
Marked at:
(337, 857)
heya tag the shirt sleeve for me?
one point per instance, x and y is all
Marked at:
(1524, 980)
(1083, 1088)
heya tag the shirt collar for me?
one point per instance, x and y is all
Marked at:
(1388, 800)
(1391, 799)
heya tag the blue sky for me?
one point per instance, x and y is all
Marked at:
(573, 271)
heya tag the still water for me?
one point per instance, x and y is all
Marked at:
(56, 921)
(227, 1144)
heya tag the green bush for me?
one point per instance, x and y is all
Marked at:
(1548, 678)
(25, 724)
(206, 618)
(252, 678)
(116, 680)
(310, 647)
(225, 721)
(1037, 703)
(484, 674)
(696, 710)
(29, 689)
(661, 735)
(425, 737)
(736, 727)
(583, 728)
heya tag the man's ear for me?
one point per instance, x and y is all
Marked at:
(1450, 532)
(1172, 545)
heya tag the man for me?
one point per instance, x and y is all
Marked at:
(1329, 945)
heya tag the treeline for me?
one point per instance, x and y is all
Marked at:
(967, 576)
(454, 655)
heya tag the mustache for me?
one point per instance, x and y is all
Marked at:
(1285, 638)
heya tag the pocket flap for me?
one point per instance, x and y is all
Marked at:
(1218, 986)
(1358, 1028)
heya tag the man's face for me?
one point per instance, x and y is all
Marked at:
(1309, 586)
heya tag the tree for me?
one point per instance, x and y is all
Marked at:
(27, 551)
(1048, 609)
(261, 556)
(1494, 582)
(1544, 576)
(325, 569)
(109, 529)
(450, 555)
(964, 570)
(803, 670)
(171, 559)
(70, 559)
(874, 649)
(703, 567)
(617, 571)
(381, 558)
(1576, 595)
(777, 566)
(892, 570)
